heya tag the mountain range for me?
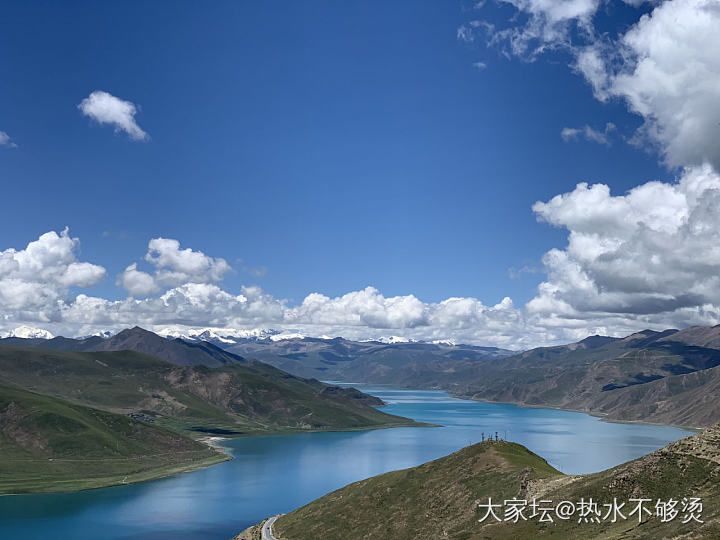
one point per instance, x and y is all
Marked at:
(168, 390)
(176, 351)
(668, 377)
(411, 364)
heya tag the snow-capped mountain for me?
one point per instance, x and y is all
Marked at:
(395, 339)
(286, 336)
(222, 335)
(28, 332)
(450, 342)
(227, 337)
(105, 334)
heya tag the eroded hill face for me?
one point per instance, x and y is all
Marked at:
(446, 498)
(235, 399)
(667, 377)
(660, 377)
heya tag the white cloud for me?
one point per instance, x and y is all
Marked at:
(588, 133)
(671, 77)
(105, 108)
(546, 25)
(465, 33)
(665, 66)
(6, 141)
(360, 308)
(649, 255)
(173, 267)
(36, 277)
(647, 258)
(137, 282)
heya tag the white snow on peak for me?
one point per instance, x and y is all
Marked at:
(443, 342)
(283, 337)
(225, 335)
(396, 339)
(28, 332)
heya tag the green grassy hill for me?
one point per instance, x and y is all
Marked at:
(439, 499)
(234, 399)
(47, 445)
(435, 500)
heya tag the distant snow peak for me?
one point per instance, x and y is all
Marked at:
(28, 332)
(450, 342)
(396, 339)
(223, 335)
(287, 336)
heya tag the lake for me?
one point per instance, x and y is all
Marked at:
(275, 474)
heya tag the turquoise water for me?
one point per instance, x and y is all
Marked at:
(276, 474)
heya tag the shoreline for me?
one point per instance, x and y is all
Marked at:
(214, 442)
(602, 416)
(80, 484)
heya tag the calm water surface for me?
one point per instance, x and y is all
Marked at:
(278, 473)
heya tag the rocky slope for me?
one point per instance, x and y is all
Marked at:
(648, 376)
(239, 398)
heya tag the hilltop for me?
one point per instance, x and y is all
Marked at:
(175, 351)
(447, 497)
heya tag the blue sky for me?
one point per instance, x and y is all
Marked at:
(315, 146)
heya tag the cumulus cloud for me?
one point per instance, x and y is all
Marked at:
(136, 282)
(35, 285)
(670, 76)
(105, 108)
(6, 141)
(173, 267)
(36, 277)
(589, 134)
(664, 67)
(645, 258)
(367, 308)
(651, 254)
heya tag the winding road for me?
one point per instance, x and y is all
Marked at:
(267, 528)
